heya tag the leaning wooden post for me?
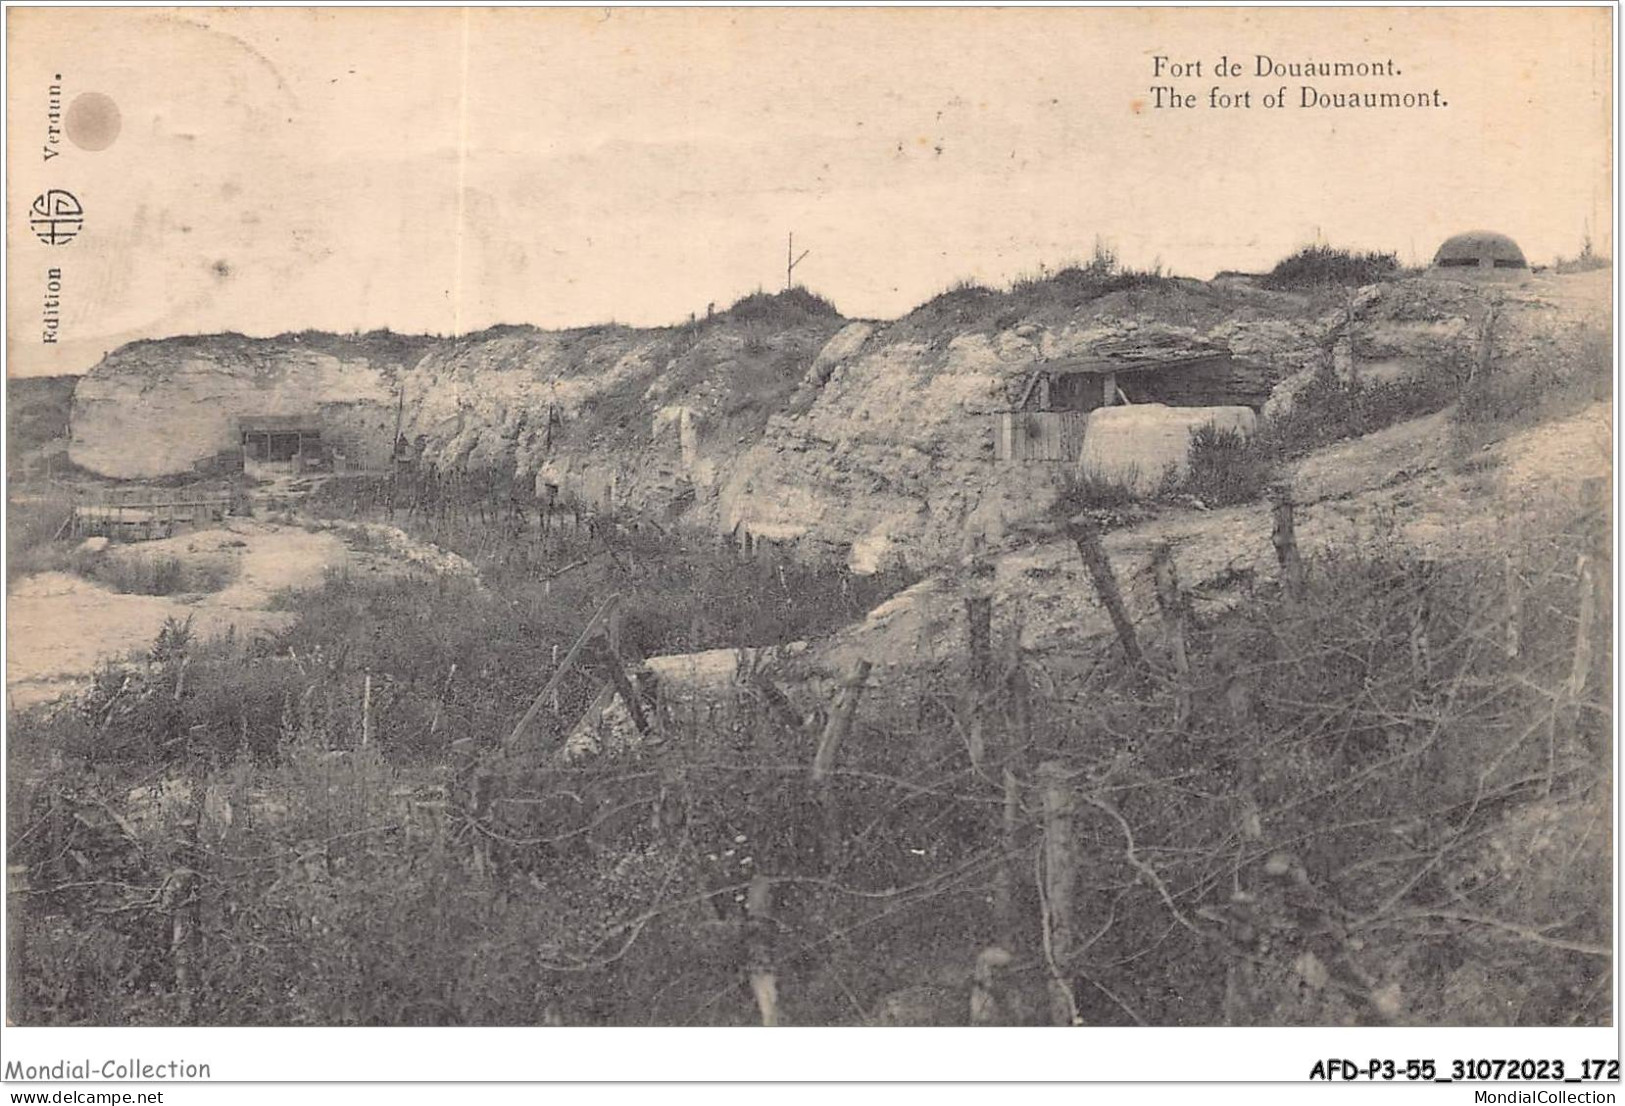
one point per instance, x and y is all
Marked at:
(829, 744)
(1086, 536)
(1285, 538)
(624, 688)
(1173, 622)
(593, 626)
(366, 711)
(614, 656)
(777, 702)
(764, 983)
(840, 721)
(1060, 877)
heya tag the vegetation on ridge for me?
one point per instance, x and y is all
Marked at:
(1318, 266)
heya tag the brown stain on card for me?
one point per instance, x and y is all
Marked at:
(92, 121)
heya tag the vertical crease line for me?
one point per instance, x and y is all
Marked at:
(462, 177)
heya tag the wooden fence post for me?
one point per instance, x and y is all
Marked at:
(1060, 877)
(480, 789)
(979, 615)
(1593, 569)
(366, 711)
(1006, 817)
(1086, 536)
(986, 1007)
(184, 893)
(1580, 668)
(1421, 616)
(1173, 621)
(440, 703)
(1017, 739)
(764, 984)
(1512, 639)
(1285, 538)
(1486, 346)
(1004, 876)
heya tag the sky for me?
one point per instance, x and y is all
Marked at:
(443, 170)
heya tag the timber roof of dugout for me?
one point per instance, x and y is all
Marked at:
(279, 423)
(1129, 359)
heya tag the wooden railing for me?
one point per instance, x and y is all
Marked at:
(129, 517)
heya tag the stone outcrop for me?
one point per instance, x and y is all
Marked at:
(162, 408)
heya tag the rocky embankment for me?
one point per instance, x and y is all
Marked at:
(780, 419)
(1410, 486)
(870, 442)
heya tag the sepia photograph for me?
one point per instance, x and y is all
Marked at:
(801, 517)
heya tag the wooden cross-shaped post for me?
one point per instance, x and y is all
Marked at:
(791, 261)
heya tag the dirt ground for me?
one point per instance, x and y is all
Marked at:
(61, 627)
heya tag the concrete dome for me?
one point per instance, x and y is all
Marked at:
(1479, 249)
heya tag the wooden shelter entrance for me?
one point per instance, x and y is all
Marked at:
(1049, 420)
(274, 444)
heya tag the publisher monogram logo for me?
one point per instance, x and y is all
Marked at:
(56, 216)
